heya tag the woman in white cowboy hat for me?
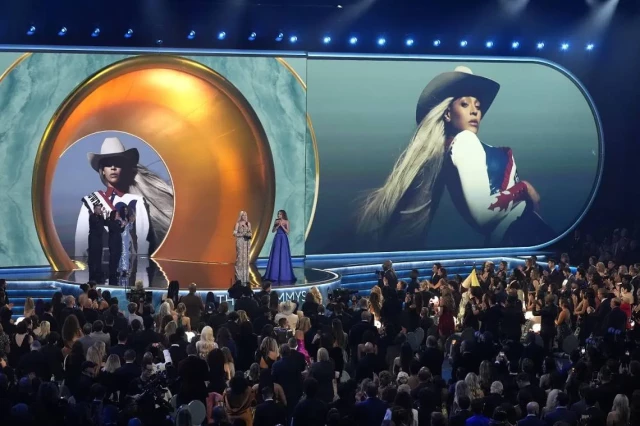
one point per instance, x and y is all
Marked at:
(131, 185)
(285, 310)
(445, 150)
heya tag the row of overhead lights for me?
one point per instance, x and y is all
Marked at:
(381, 41)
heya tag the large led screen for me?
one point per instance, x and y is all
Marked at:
(448, 154)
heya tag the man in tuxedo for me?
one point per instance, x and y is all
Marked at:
(48, 316)
(357, 331)
(532, 416)
(127, 373)
(602, 311)
(287, 372)
(555, 276)
(312, 411)
(371, 411)
(432, 357)
(193, 371)
(616, 319)
(70, 309)
(121, 347)
(269, 413)
(459, 418)
(562, 412)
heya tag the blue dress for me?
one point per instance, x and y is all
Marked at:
(124, 264)
(279, 269)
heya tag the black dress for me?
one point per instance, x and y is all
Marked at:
(115, 249)
(96, 231)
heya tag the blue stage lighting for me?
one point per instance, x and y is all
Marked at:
(293, 39)
(252, 36)
(564, 46)
(129, 33)
(489, 44)
(96, 32)
(463, 43)
(409, 42)
(540, 45)
(353, 40)
(515, 44)
(382, 41)
(326, 40)
(279, 37)
(191, 35)
(31, 31)
(222, 35)
(436, 43)
(590, 46)
(62, 32)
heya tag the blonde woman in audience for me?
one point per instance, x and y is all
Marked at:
(268, 352)
(163, 312)
(206, 343)
(473, 383)
(183, 320)
(316, 295)
(170, 329)
(552, 402)
(42, 331)
(107, 377)
(461, 389)
(229, 365)
(242, 316)
(93, 355)
(620, 412)
(29, 307)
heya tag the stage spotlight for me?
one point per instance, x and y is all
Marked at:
(463, 43)
(279, 37)
(382, 41)
(252, 36)
(436, 43)
(515, 44)
(353, 40)
(62, 32)
(590, 46)
(31, 31)
(293, 39)
(489, 44)
(222, 35)
(129, 33)
(95, 32)
(326, 40)
(191, 35)
(540, 45)
(564, 46)
(409, 42)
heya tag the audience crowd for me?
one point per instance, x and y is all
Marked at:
(539, 344)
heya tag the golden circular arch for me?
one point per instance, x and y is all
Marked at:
(205, 131)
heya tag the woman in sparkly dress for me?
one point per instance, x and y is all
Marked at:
(242, 232)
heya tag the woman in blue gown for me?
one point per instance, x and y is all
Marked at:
(279, 268)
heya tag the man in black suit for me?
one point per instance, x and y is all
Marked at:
(48, 316)
(371, 411)
(121, 347)
(616, 319)
(34, 362)
(602, 311)
(369, 364)
(491, 317)
(287, 372)
(460, 417)
(269, 413)
(532, 416)
(432, 357)
(311, 411)
(562, 412)
(555, 277)
(357, 331)
(127, 373)
(246, 303)
(70, 309)
(193, 371)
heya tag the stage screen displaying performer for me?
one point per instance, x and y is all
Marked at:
(427, 155)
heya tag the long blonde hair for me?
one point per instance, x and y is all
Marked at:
(424, 155)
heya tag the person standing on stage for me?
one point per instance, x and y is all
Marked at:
(124, 266)
(116, 226)
(279, 268)
(96, 231)
(242, 232)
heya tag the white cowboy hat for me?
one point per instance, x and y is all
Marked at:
(287, 307)
(112, 147)
(456, 84)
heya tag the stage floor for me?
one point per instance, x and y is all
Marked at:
(157, 274)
